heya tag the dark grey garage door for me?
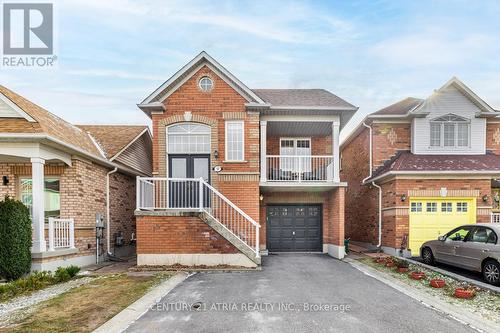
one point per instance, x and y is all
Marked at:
(294, 228)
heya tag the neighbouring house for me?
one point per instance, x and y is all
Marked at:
(69, 177)
(421, 167)
(238, 172)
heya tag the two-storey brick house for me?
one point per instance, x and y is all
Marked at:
(238, 172)
(420, 167)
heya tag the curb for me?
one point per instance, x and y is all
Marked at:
(459, 277)
(134, 311)
(465, 317)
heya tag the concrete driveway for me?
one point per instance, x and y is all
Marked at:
(293, 293)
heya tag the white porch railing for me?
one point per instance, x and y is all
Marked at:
(299, 168)
(61, 234)
(495, 217)
(189, 194)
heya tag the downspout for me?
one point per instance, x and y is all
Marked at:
(108, 216)
(375, 185)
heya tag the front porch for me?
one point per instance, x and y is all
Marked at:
(299, 152)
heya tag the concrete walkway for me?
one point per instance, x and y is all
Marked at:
(293, 293)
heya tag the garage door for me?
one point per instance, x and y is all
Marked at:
(294, 228)
(432, 217)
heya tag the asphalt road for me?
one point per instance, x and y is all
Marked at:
(293, 293)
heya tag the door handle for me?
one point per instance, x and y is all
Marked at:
(486, 250)
(293, 233)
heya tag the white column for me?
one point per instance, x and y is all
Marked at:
(38, 206)
(263, 151)
(336, 151)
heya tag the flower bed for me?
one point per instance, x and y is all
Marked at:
(36, 281)
(483, 302)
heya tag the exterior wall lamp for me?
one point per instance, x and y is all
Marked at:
(485, 198)
(403, 197)
(216, 154)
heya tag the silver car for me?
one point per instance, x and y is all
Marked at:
(474, 247)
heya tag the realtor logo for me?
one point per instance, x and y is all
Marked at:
(28, 29)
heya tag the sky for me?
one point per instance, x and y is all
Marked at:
(113, 53)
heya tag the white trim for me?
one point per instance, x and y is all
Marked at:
(301, 118)
(97, 145)
(208, 60)
(438, 173)
(335, 251)
(80, 261)
(16, 108)
(242, 122)
(131, 142)
(325, 108)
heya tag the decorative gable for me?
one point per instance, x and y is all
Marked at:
(8, 109)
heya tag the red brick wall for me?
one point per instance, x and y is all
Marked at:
(388, 139)
(122, 206)
(336, 229)
(493, 137)
(178, 234)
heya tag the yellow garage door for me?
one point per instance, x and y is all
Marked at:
(432, 217)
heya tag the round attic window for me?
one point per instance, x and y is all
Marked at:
(206, 84)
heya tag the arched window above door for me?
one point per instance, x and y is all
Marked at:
(188, 138)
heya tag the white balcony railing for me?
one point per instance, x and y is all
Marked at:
(495, 217)
(189, 194)
(299, 168)
(61, 234)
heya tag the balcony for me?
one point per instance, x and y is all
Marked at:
(298, 169)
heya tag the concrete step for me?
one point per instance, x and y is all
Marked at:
(230, 237)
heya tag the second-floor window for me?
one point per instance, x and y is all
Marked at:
(235, 141)
(449, 131)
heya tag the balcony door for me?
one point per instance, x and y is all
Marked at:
(185, 172)
(295, 147)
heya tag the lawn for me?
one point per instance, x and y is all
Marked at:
(485, 303)
(85, 308)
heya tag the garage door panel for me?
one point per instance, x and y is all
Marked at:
(294, 228)
(431, 217)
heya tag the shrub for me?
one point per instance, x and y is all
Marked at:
(72, 270)
(15, 239)
(61, 274)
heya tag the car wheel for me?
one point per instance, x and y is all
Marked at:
(491, 272)
(427, 256)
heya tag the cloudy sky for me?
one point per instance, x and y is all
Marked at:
(113, 53)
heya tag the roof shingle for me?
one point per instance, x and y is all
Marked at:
(302, 97)
(406, 161)
(399, 108)
(113, 138)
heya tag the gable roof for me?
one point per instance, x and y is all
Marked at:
(45, 122)
(314, 98)
(187, 71)
(400, 108)
(113, 139)
(404, 162)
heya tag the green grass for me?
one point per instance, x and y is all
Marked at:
(85, 308)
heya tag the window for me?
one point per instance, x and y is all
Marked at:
(483, 235)
(416, 207)
(188, 138)
(446, 207)
(458, 234)
(462, 207)
(206, 84)
(449, 131)
(51, 193)
(431, 207)
(235, 141)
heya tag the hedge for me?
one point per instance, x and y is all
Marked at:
(15, 239)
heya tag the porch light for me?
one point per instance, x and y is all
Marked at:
(216, 154)
(5, 180)
(403, 197)
(261, 197)
(485, 198)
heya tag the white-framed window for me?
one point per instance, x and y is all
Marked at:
(462, 207)
(52, 195)
(450, 131)
(206, 84)
(188, 138)
(416, 207)
(431, 207)
(446, 207)
(235, 141)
